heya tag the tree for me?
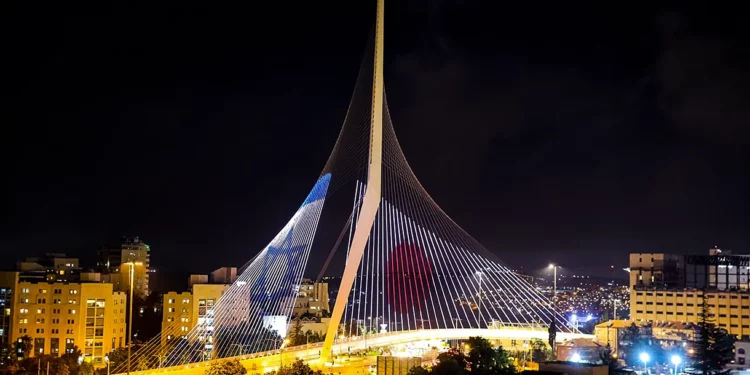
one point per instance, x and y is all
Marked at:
(481, 356)
(451, 362)
(70, 359)
(86, 368)
(297, 336)
(299, 367)
(483, 359)
(503, 362)
(713, 346)
(703, 337)
(418, 370)
(539, 351)
(117, 357)
(62, 369)
(227, 367)
(313, 337)
(23, 346)
(720, 351)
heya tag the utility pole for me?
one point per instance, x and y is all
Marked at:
(554, 284)
(479, 301)
(130, 310)
(614, 307)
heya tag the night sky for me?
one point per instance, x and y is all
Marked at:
(568, 134)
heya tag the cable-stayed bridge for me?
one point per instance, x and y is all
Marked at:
(410, 271)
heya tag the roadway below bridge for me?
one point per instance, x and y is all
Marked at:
(344, 363)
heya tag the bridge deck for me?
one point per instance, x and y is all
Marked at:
(270, 360)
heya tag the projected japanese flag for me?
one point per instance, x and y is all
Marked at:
(409, 273)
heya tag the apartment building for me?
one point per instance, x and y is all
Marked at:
(59, 317)
(312, 298)
(672, 288)
(8, 283)
(182, 311)
(115, 263)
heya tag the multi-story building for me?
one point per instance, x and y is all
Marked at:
(224, 275)
(49, 267)
(197, 279)
(612, 331)
(672, 288)
(115, 265)
(8, 283)
(312, 298)
(183, 311)
(59, 317)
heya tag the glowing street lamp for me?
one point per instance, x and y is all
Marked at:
(479, 299)
(130, 308)
(554, 281)
(645, 358)
(676, 362)
(575, 358)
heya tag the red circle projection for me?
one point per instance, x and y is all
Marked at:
(409, 276)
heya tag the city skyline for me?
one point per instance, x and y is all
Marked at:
(189, 149)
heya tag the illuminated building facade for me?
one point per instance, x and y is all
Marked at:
(114, 265)
(61, 316)
(672, 288)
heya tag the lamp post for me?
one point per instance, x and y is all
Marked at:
(614, 308)
(676, 362)
(106, 359)
(644, 358)
(554, 282)
(281, 353)
(130, 309)
(479, 302)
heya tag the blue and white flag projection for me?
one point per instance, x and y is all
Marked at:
(254, 312)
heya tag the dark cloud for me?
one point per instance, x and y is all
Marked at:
(704, 82)
(575, 128)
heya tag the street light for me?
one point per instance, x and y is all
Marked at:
(106, 359)
(575, 358)
(554, 281)
(676, 362)
(281, 353)
(479, 302)
(645, 358)
(130, 309)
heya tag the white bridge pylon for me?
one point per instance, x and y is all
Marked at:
(410, 268)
